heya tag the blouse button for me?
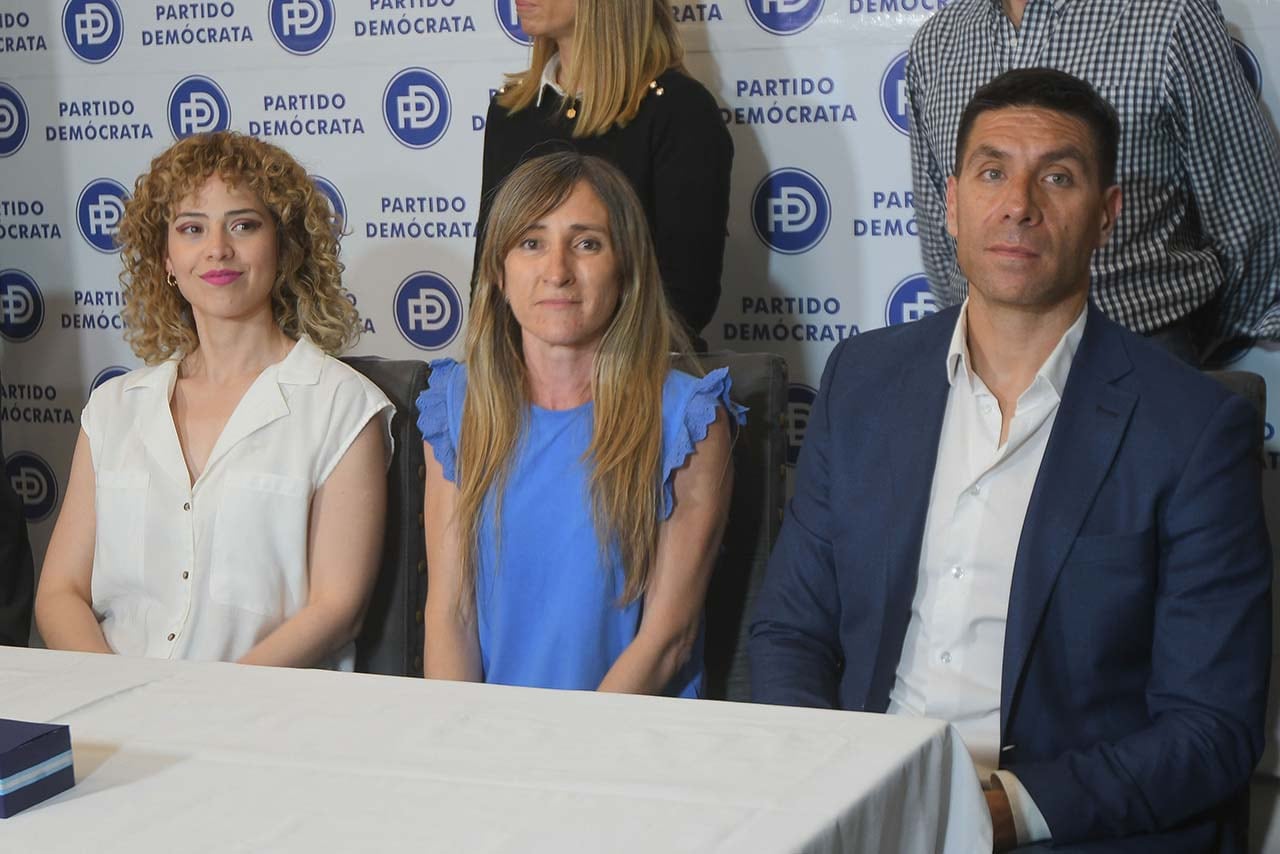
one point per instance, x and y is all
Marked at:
(185, 575)
(186, 505)
(172, 636)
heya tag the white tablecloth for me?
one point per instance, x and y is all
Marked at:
(181, 756)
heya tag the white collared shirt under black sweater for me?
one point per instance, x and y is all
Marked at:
(676, 153)
(1199, 166)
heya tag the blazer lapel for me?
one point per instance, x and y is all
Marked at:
(911, 426)
(1090, 424)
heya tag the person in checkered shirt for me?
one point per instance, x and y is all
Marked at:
(1195, 258)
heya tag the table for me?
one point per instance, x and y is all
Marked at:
(186, 756)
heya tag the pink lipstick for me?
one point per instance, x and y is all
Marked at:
(220, 277)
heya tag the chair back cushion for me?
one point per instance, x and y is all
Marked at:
(755, 514)
(390, 641)
(1252, 388)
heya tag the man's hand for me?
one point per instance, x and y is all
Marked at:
(1003, 833)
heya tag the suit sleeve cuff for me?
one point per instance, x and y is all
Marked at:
(1027, 819)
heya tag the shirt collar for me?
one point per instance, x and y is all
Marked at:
(1054, 370)
(300, 367)
(1059, 6)
(549, 72)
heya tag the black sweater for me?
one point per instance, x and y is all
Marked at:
(677, 154)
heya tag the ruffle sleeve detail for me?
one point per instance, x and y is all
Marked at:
(690, 425)
(433, 415)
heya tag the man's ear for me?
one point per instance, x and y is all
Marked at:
(1112, 202)
(951, 205)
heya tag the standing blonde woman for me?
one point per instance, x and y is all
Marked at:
(576, 484)
(226, 501)
(606, 78)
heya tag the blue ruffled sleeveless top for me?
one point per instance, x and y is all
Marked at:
(546, 599)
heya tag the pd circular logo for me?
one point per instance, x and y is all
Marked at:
(13, 120)
(893, 94)
(800, 399)
(108, 373)
(428, 310)
(510, 22)
(93, 29)
(301, 27)
(784, 17)
(1250, 66)
(791, 211)
(99, 211)
(21, 306)
(416, 107)
(197, 105)
(910, 300)
(324, 185)
(33, 480)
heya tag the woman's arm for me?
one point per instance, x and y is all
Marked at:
(344, 545)
(64, 609)
(452, 648)
(688, 542)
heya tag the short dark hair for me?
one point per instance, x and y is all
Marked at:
(1054, 90)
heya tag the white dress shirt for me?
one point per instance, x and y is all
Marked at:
(954, 647)
(207, 570)
(550, 72)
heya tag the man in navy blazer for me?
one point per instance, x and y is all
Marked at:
(1018, 516)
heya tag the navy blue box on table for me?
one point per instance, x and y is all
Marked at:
(35, 764)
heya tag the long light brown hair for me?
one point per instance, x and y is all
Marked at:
(631, 364)
(619, 46)
(307, 297)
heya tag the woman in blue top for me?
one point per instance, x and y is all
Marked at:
(577, 485)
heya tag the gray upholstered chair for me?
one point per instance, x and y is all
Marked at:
(760, 383)
(391, 640)
(1252, 388)
(1264, 795)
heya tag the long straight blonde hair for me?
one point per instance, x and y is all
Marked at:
(630, 368)
(619, 46)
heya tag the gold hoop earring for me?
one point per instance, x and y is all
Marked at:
(170, 280)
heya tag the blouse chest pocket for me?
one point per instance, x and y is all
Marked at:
(120, 528)
(259, 550)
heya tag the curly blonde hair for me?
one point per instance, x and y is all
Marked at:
(308, 297)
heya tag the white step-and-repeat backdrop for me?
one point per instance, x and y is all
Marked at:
(384, 102)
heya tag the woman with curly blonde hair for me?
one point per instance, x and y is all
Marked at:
(225, 502)
(577, 484)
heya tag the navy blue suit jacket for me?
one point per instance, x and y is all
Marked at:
(1138, 641)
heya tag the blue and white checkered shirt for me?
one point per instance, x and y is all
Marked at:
(1198, 163)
